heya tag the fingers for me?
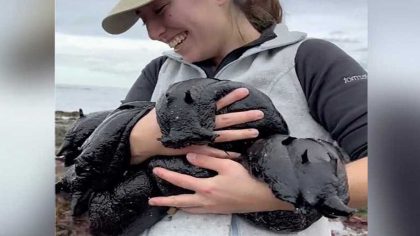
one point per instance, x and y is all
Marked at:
(195, 210)
(233, 135)
(179, 201)
(232, 97)
(211, 151)
(208, 162)
(181, 180)
(234, 118)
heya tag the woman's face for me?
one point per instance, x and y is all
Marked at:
(196, 29)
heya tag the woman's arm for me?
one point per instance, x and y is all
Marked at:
(144, 136)
(335, 87)
(234, 190)
(357, 175)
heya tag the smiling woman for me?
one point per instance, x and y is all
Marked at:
(234, 40)
(172, 22)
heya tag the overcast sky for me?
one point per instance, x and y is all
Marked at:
(87, 55)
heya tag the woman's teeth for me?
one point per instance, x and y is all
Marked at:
(178, 40)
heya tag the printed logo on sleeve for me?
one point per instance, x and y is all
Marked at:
(354, 78)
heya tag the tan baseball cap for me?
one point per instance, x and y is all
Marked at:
(123, 16)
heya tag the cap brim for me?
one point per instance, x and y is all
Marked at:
(123, 16)
(119, 23)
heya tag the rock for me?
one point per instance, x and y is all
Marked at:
(63, 121)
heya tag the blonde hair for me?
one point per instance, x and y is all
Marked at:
(262, 14)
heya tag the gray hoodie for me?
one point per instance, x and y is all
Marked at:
(270, 67)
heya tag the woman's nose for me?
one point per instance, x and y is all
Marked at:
(155, 29)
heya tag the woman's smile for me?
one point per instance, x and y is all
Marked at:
(177, 41)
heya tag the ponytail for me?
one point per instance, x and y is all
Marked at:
(262, 14)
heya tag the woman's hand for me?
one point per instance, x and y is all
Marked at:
(233, 190)
(145, 134)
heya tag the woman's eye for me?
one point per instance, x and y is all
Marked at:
(161, 9)
(144, 22)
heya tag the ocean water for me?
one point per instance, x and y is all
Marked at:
(343, 23)
(96, 98)
(89, 98)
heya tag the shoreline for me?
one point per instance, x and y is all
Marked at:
(63, 120)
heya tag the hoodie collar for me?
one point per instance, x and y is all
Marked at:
(266, 41)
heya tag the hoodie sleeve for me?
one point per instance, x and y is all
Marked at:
(335, 86)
